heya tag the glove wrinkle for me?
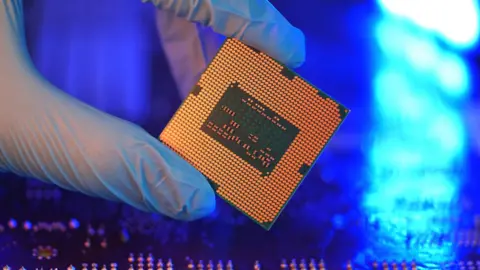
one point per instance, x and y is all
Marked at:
(250, 21)
(46, 134)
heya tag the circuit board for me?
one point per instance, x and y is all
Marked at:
(149, 261)
(254, 128)
(48, 228)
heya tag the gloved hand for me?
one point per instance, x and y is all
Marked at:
(190, 47)
(254, 22)
(48, 135)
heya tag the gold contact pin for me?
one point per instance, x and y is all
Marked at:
(252, 141)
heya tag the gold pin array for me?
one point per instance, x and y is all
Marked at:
(269, 85)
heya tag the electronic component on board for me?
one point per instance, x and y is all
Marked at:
(284, 264)
(254, 128)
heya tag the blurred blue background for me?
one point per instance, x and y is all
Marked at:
(398, 181)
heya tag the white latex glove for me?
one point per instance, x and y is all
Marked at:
(48, 135)
(190, 47)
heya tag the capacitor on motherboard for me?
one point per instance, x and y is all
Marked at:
(140, 258)
(12, 223)
(220, 265)
(131, 258)
(90, 230)
(200, 265)
(101, 230)
(303, 264)
(160, 264)
(256, 265)
(169, 264)
(293, 264)
(87, 243)
(150, 258)
(73, 224)
(321, 265)
(104, 243)
(413, 265)
(27, 225)
(229, 265)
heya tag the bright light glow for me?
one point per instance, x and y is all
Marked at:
(401, 97)
(422, 55)
(418, 138)
(433, 186)
(397, 154)
(452, 73)
(457, 21)
(447, 130)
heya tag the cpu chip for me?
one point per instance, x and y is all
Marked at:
(254, 128)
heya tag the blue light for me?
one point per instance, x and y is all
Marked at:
(406, 46)
(95, 55)
(453, 75)
(456, 21)
(447, 131)
(74, 224)
(400, 98)
(418, 138)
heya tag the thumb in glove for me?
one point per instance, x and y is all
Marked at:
(48, 135)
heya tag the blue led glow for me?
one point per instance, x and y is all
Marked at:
(421, 56)
(419, 136)
(456, 21)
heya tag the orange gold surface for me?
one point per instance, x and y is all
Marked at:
(316, 116)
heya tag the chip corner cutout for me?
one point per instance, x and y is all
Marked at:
(254, 128)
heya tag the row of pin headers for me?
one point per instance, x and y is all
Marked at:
(293, 264)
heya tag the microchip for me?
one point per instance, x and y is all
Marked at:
(254, 128)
